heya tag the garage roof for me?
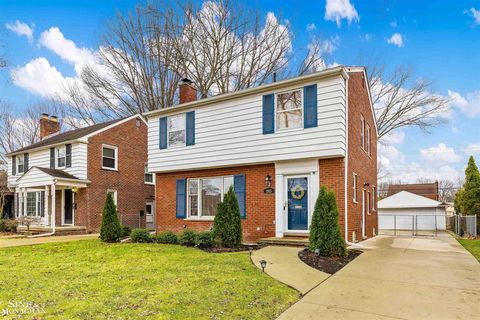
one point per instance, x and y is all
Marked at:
(405, 199)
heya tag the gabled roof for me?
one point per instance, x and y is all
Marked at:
(429, 190)
(55, 173)
(405, 199)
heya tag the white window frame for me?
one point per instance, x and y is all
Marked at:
(57, 157)
(145, 173)
(21, 159)
(283, 111)
(115, 196)
(199, 193)
(374, 197)
(368, 139)
(362, 131)
(184, 115)
(369, 194)
(116, 157)
(355, 188)
(38, 204)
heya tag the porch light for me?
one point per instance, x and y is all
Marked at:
(366, 184)
(75, 190)
(263, 264)
(268, 181)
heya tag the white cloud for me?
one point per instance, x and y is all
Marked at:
(39, 77)
(311, 27)
(367, 36)
(333, 64)
(21, 29)
(330, 45)
(396, 39)
(393, 137)
(470, 104)
(471, 149)
(440, 155)
(336, 10)
(394, 24)
(474, 13)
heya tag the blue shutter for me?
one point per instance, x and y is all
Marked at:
(68, 156)
(181, 199)
(268, 108)
(190, 141)
(14, 165)
(163, 133)
(310, 106)
(52, 158)
(25, 162)
(239, 186)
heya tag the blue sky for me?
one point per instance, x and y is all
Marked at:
(439, 39)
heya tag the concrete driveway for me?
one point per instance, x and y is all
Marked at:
(399, 278)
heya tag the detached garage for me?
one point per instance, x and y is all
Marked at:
(408, 211)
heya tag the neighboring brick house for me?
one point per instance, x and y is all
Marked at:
(76, 169)
(276, 144)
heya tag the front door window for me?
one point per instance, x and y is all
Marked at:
(297, 198)
(68, 207)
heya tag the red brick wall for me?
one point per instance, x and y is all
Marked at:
(132, 192)
(359, 161)
(260, 207)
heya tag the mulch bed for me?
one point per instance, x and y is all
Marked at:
(223, 250)
(327, 264)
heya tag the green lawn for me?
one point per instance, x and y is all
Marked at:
(471, 245)
(91, 280)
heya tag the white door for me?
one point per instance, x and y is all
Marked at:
(149, 215)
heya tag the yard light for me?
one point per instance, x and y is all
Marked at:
(317, 252)
(268, 181)
(250, 250)
(263, 264)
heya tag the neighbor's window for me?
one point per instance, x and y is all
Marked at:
(204, 194)
(289, 110)
(148, 175)
(362, 132)
(355, 178)
(20, 164)
(109, 157)
(176, 130)
(113, 193)
(368, 140)
(61, 157)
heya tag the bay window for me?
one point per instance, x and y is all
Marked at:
(204, 194)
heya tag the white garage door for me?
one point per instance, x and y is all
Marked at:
(425, 219)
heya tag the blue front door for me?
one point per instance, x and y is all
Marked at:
(297, 189)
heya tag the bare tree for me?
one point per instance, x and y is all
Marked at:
(400, 100)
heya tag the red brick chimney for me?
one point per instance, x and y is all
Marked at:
(48, 126)
(188, 93)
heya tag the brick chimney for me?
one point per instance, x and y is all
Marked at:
(188, 93)
(48, 126)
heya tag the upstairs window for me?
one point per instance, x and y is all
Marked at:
(368, 140)
(148, 175)
(176, 130)
(289, 113)
(362, 132)
(109, 157)
(61, 157)
(20, 165)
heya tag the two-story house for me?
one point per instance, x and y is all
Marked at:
(64, 178)
(276, 144)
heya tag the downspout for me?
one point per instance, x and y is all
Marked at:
(52, 220)
(346, 165)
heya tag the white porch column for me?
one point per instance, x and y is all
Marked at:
(46, 212)
(24, 202)
(52, 188)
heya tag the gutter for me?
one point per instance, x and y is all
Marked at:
(346, 165)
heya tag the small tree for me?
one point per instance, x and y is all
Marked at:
(227, 226)
(458, 202)
(111, 230)
(325, 232)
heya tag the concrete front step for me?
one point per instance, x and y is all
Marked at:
(285, 241)
(59, 231)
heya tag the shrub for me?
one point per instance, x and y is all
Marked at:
(111, 230)
(3, 226)
(140, 236)
(187, 238)
(126, 231)
(325, 232)
(227, 226)
(204, 240)
(167, 237)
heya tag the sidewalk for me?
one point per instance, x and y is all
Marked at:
(16, 242)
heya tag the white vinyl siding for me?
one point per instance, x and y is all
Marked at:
(230, 133)
(41, 159)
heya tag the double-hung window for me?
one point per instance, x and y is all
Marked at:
(20, 165)
(355, 178)
(109, 157)
(374, 198)
(176, 130)
(61, 157)
(114, 195)
(289, 110)
(148, 175)
(368, 202)
(362, 132)
(204, 194)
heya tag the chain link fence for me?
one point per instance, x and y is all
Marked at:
(132, 220)
(464, 226)
(411, 225)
